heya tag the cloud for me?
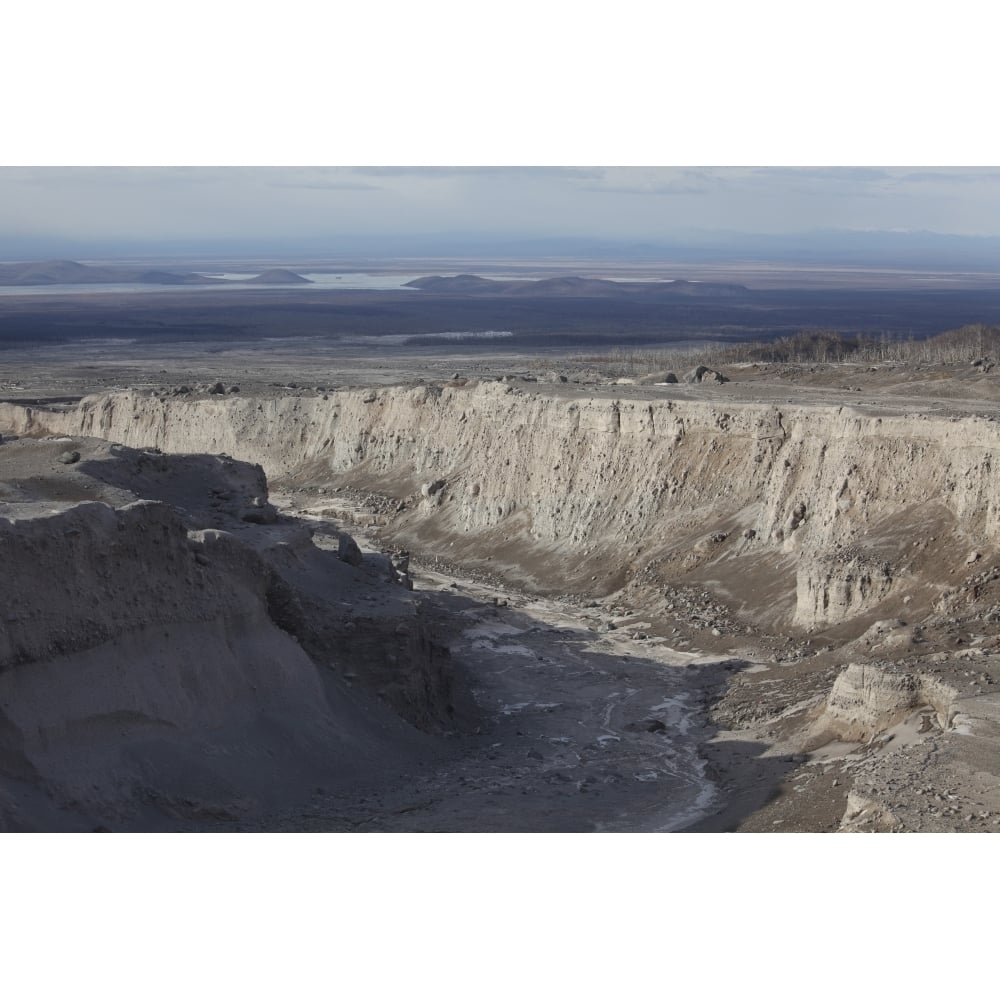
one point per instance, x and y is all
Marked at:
(512, 173)
(607, 201)
(324, 185)
(837, 175)
(656, 181)
(952, 176)
(648, 189)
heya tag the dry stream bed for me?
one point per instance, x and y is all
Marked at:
(575, 729)
(587, 719)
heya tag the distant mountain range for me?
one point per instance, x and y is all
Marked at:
(472, 284)
(70, 272)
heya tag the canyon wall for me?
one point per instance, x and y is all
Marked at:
(590, 491)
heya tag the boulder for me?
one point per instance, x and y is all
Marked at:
(432, 489)
(658, 378)
(348, 551)
(260, 511)
(704, 374)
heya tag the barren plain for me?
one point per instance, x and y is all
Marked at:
(304, 585)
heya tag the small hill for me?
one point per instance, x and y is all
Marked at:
(279, 276)
(71, 272)
(51, 272)
(464, 283)
(570, 286)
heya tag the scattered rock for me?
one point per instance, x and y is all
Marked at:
(69, 457)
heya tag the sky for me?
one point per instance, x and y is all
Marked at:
(99, 204)
(414, 88)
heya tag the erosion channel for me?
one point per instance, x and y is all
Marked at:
(497, 604)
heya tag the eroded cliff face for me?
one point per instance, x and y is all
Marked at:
(191, 657)
(588, 492)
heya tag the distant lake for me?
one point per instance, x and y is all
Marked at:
(322, 282)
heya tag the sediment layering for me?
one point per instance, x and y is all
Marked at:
(582, 494)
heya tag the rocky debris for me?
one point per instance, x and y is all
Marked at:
(218, 389)
(68, 457)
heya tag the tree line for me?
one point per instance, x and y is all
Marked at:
(964, 345)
